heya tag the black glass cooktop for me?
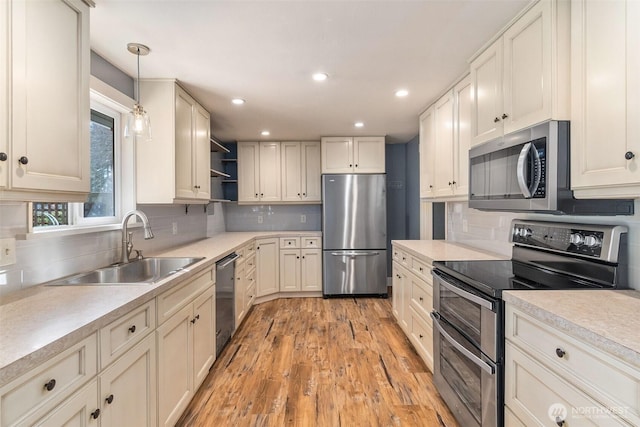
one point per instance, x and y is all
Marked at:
(493, 277)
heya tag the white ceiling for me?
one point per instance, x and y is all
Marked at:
(265, 52)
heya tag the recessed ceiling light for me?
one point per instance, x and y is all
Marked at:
(320, 77)
(265, 133)
(358, 124)
(401, 93)
(238, 101)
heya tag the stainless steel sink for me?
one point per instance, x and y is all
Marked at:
(140, 272)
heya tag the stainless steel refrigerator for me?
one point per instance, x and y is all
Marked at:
(354, 235)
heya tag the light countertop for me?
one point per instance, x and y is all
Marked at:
(605, 319)
(442, 250)
(41, 321)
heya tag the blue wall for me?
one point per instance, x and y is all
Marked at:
(396, 165)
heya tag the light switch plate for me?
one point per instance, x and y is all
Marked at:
(7, 251)
(303, 218)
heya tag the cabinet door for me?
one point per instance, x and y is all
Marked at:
(240, 288)
(427, 152)
(486, 95)
(50, 122)
(4, 94)
(311, 173)
(289, 270)
(175, 358)
(270, 189)
(75, 411)
(605, 69)
(527, 85)
(202, 150)
(368, 154)
(248, 171)
(204, 335)
(461, 136)
(267, 266)
(291, 172)
(443, 179)
(184, 150)
(128, 388)
(311, 270)
(337, 155)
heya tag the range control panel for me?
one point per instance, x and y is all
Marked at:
(593, 241)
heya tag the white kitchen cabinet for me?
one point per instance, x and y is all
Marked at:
(79, 410)
(267, 266)
(128, 388)
(443, 165)
(358, 154)
(300, 264)
(290, 264)
(427, 153)
(44, 149)
(259, 172)
(523, 78)
(270, 185)
(301, 171)
(239, 293)
(461, 137)
(311, 270)
(605, 71)
(179, 148)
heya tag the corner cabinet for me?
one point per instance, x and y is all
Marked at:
(358, 154)
(44, 100)
(605, 130)
(523, 78)
(179, 148)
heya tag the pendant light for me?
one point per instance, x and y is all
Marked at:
(138, 122)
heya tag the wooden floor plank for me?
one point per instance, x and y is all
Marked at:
(315, 362)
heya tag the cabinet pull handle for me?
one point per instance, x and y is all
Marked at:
(132, 329)
(23, 160)
(560, 352)
(109, 399)
(95, 414)
(50, 385)
(496, 120)
(3, 157)
(504, 115)
(629, 155)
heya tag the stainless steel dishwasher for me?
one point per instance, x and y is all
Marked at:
(225, 300)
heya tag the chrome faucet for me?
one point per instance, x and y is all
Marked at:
(127, 237)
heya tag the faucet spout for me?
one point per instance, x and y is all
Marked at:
(127, 244)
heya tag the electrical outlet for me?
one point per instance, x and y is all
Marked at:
(303, 218)
(260, 219)
(7, 251)
(174, 228)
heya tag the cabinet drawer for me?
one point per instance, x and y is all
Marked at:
(64, 374)
(250, 249)
(289, 242)
(250, 262)
(404, 259)
(250, 293)
(421, 297)
(598, 374)
(421, 334)
(125, 332)
(311, 242)
(421, 269)
(241, 255)
(174, 299)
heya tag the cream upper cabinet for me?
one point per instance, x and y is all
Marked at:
(461, 136)
(248, 171)
(179, 148)
(300, 171)
(311, 173)
(523, 78)
(270, 188)
(427, 153)
(44, 149)
(605, 125)
(353, 154)
(443, 141)
(267, 266)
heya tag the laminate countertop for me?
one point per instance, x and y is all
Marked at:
(41, 321)
(442, 250)
(605, 319)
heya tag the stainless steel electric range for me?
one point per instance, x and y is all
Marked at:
(468, 316)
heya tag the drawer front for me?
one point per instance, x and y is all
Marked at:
(598, 374)
(311, 242)
(289, 242)
(421, 269)
(405, 259)
(421, 334)
(174, 299)
(241, 255)
(396, 254)
(63, 375)
(250, 293)
(250, 262)
(124, 333)
(421, 297)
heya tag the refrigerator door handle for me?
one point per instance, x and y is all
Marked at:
(355, 253)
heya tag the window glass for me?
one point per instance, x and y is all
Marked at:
(101, 200)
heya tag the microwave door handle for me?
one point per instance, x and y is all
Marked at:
(522, 167)
(490, 368)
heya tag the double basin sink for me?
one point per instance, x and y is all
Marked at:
(144, 271)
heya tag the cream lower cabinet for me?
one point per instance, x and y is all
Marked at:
(300, 171)
(240, 290)
(79, 410)
(267, 266)
(552, 378)
(356, 154)
(300, 264)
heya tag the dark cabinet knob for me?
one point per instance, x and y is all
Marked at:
(95, 414)
(504, 116)
(453, 182)
(256, 194)
(193, 321)
(421, 299)
(304, 194)
(449, 182)
(109, 399)
(297, 257)
(421, 336)
(3, 157)
(629, 155)
(559, 421)
(197, 317)
(350, 165)
(50, 385)
(496, 120)
(560, 352)
(23, 160)
(356, 165)
(261, 194)
(132, 329)
(430, 186)
(302, 256)
(298, 194)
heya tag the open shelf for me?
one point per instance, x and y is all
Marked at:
(217, 147)
(229, 181)
(220, 200)
(216, 173)
(229, 160)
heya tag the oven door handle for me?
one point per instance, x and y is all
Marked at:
(521, 169)
(464, 294)
(488, 367)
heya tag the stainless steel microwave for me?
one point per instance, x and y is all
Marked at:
(529, 170)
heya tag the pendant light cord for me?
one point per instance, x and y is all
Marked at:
(138, 81)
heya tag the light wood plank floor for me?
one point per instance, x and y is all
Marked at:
(317, 362)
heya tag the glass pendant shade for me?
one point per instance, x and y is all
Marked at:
(138, 124)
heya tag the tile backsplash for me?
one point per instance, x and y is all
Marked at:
(272, 217)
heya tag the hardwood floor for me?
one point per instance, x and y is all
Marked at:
(319, 362)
